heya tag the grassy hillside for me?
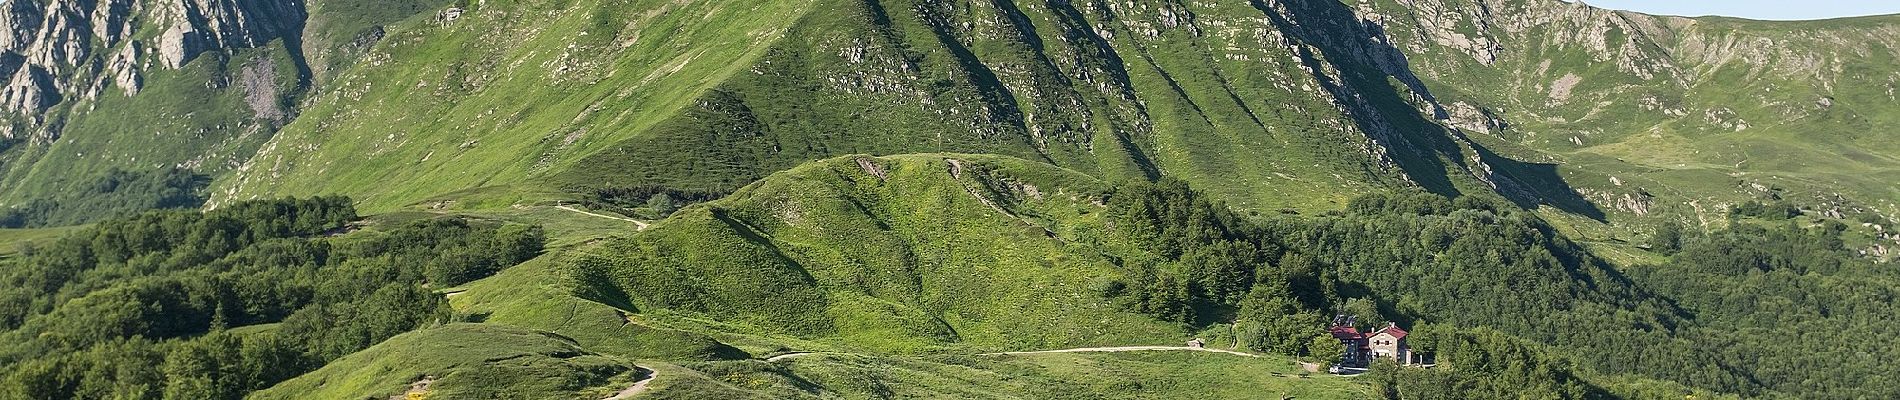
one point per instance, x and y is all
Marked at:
(14, 240)
(1668, 118)
(142, 117)
(895, 273)
(1269, 105)
(867, 259)
(535, 296)
(1566, 202)
(604, 96)
(507, 91)
(522, 364)
(1144, 375)
(463, 361)
(194, 121)
(900, 267)
(900, 254)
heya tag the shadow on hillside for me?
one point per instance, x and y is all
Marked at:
(1366, 63)
(1428, 152)
(1538, 183)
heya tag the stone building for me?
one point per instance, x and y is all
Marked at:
(1389, 343)
(1361, 348)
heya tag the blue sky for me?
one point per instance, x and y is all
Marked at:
(1756, 9)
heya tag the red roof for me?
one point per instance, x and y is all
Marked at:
(1346, 332)
(1392, 330)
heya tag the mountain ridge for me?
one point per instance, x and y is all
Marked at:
(1556, 199)
(1015, 66)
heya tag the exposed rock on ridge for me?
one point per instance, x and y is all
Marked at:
(55, 51)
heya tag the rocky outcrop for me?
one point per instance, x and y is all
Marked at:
(1638, 202)
(1558, 77)
(1471, 118)
(196, 26)
(54, 52)
(258, 79)
(1465, 26)
(31, 89)
(1491, 30)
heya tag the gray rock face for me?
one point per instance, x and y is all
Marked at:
(196, 26)
(32, 88)
(54, 52)
(258, 80)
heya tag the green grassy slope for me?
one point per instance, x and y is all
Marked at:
(604, 95)
(532, 296)
(14, 240)
(941, 251)
(1269, 105)
(897, 269)
(1267, 108)
(195, 118)
(522, 364)
(1667, 118)
(907, 264)
(537, 296)
(463, 361)
(205, 117)
(1143, 375)
(509, 90)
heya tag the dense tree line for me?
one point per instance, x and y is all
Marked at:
(1776, 210)
(1194, 261)
(188, 305)
(1753, 311)
(1494, 365)
(1475, 262)
(115, 192)
(646, 201)
(1408, 257)
(1788, 306)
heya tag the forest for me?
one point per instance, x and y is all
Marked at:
(214, 305)
(1766, 307)
(115, 192)
(220, 303)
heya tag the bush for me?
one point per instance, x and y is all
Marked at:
(149, 297)
(113, 193)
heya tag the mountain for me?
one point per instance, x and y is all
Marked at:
(119, 106)
(1119, 92)
(1252, 101)
(1651, 115)
(894, 269)
(641, 102)
(869, 198)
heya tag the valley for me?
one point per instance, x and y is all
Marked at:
(634, 199)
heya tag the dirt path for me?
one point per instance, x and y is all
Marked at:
(637, 223)
(1122, 349)
(1310, 368)
(638, 387)
(789, 355)
(797, 354)
(419, 388)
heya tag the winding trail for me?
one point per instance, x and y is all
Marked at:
(638, 387)
(789, 355)
(637, 223)
(1159, 348)
(1117, 349)
(1122, 349)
